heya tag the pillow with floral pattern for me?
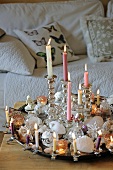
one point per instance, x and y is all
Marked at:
(98, 34)
(37, 39)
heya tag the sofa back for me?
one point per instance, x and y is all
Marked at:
(35, 15)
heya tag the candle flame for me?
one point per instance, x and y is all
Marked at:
(35, 126)
(49, 41)
(6, 108)
(54, 135)
(85, 67)
(65, 48)
(68, 76)
(98, 92)
(100, 132)
(12, 119)
(73, 136)
(111, 138)
(95, 109)
(27, 132)
(80, 86)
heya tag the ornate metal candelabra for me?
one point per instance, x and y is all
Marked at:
(52, 110)
(64, 100)
(86, 97)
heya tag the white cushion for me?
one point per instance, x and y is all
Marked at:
(110, 9)
(15, 57)
(37, 39)
(98, 34)
(67, 14)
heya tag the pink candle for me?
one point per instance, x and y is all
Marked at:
(69, 99)
(86, 81)
(65, 70)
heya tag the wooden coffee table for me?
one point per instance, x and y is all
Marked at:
(13, 157)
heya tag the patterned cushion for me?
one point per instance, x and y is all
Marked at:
(98, 34)
(37, 39)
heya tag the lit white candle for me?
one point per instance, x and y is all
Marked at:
(79, 95)
(12, 126)
(49, 59)
(7, 114)
(111, 141)
(85, 67)
(36, 135)
(54, 141)
(69, 99)
(98, 97)
(74, 143)
(11, 121)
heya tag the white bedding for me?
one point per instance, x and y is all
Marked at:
(19, 86)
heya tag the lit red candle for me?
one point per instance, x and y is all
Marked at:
(86, 79)
(69, 99)
(12, 126)
(27, 138)
(36, 135)
(65, 69)
(98, 140)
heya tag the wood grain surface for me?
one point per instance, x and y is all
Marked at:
(13, 157)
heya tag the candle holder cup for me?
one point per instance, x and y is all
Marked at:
(11, 139)
(27, 147)
(37, 150)
(97, 153)
(75, 157)
(79, 111)
(53, 155)
(7, 125)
